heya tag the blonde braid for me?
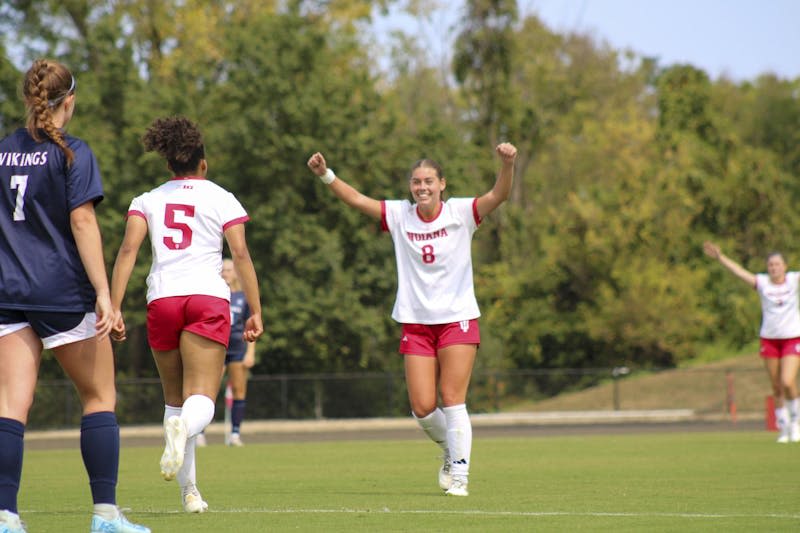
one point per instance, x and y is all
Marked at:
(41, 79)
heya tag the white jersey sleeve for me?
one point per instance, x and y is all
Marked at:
(434, 261)
(780, 311)
(186, 221)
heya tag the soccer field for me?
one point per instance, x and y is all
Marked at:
(733, 481)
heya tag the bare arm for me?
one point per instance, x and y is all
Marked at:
(135, 232)
(505, 178)
(345, 192)
(235, 236)
(713, 251)
(250, 355)
(86, 232)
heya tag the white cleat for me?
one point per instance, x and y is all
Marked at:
(172, 458)
(458, 487)
(193, 501)
(235, 440)
(200, 440)
(445, 477)
(10, 523)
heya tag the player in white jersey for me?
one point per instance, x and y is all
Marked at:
(435, 297)
(188, 301)
(779, 334)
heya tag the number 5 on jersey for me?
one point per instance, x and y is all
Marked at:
(172, 213)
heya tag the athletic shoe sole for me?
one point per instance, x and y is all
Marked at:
(172, 459)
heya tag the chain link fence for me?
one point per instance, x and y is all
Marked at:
(716, 392)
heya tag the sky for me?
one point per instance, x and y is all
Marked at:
(738, 39)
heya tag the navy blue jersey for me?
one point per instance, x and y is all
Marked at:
(240, 312)
(40, 268)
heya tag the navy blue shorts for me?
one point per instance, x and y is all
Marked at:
(234, 357)
(54, 329)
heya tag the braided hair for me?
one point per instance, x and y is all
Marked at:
(46, 84)
(179, 141)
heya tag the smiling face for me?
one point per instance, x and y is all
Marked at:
(776, 268)
(426, 186)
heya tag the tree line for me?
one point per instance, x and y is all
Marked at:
(626, 166)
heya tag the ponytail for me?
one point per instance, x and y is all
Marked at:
(46, 85)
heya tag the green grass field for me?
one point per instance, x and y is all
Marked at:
(727, 481)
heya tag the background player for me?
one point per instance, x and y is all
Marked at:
(435, 301)
(188, 310)
(779, 334)
(239, 358)
(54, 290)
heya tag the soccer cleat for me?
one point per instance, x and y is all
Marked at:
(193, 501)
(119, 525)
(445, 478)
(10, 523)
(794, 431)
(458, 487)
(235, 440)
(172, 458)
(200, 440)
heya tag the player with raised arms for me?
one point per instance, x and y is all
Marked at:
(779, 334)
(435, 300)
(54, 291)
(188, 301)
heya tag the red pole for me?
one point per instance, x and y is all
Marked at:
(731, 395)
(772, 423)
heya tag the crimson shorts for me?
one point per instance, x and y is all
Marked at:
(207, 316)
(778, 348)
(427, 339)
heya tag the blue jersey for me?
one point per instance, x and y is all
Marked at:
(40, 268)
(240, 312)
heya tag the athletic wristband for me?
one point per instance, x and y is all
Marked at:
(328, 177)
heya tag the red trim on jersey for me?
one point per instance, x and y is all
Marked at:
(178, 178)
(475, 212)
(434, 217)
(240, 220)
(384, 225)
(136, 213)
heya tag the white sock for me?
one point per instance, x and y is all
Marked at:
(794, 409)
(106, 511)
(197, 413)
(435, 426)
(459, 438)
(170, 410)
(782, 417)
(187, 475)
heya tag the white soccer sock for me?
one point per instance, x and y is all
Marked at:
(187, 475)
(106, 511)
(782, 417)
(197, 413)
(170, 410)
(794, 409)
(459, 438)
(435, 426)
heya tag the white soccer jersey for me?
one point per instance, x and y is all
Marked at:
(434, 261)
(186, 218)
(780, 315)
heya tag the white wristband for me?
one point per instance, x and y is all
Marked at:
(328, 177)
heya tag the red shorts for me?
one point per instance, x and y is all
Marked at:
(778, 348)
(207, 316)
(427, 339)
